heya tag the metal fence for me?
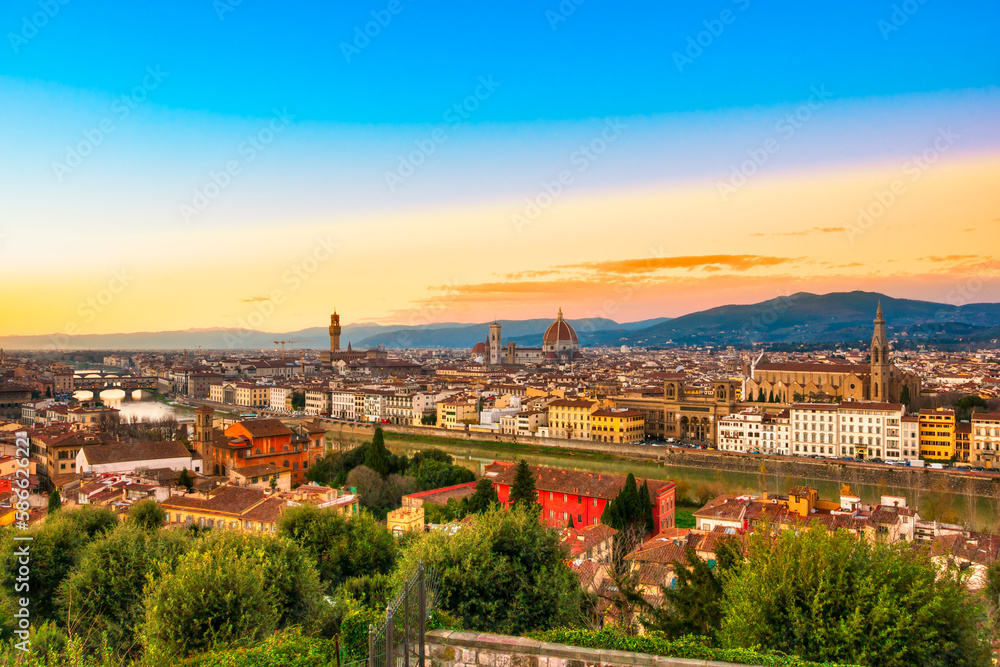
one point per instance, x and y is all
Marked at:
(398, 639)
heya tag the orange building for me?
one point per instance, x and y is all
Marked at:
(258, 442)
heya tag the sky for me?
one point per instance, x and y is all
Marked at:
(216, 163)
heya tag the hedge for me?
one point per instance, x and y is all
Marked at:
(656, 643)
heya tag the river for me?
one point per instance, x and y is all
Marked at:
(979, 513)
(138, 404)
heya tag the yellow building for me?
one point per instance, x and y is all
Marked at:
(937, 434)
(252, 395)
(456, 413)
(617, 425)
(405, 520)
(570, 418)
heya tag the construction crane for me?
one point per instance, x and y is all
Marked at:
(289, 342)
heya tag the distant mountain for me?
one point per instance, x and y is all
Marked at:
(802, 318)
(810, 318)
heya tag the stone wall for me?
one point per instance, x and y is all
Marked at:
(449, 648)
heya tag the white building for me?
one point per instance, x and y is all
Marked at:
(871, 430)
(814, 429)
(127, 458)
(741, 432)
(279, 396)
(342, 405)
(910, 433)
(318, 402)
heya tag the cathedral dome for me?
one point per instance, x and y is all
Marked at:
(479, 348)
(559, 331)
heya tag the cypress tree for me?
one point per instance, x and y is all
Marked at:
(522, 491)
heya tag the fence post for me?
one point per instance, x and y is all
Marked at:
(389, 622)
(406, 624)
(422, 605)
(371, 645)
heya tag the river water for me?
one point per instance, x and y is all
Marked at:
(978, 513)
(138, 404)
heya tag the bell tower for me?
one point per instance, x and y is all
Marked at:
(334, 332)
(204, 443)
(493, 352)
(880, 360)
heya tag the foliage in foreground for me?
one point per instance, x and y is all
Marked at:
(655, 643)
(503, 572)
(831, 596)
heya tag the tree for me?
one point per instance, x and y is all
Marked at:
(691, 606)
(298, 400)
(232, 588)
(760, 395)
(770, 398)
(185, 480)
(103, 595)
(55, 502)
(342, 549)
(57, 546)
(436, 474)
(483, 498)
(904, 395)
(631, 510)
(504, 572)
(429, 419)
(836, 598)
(522, 491)
(377, 456)
(148, 515)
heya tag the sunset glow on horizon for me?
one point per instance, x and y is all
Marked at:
(211, 198)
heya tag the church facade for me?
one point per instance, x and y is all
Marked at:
(880, 380)
(560, 345)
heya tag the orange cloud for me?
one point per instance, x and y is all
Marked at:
(805, 232)
(689, 262)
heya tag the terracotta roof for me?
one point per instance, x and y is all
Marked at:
(264, 428)
(232, 500)
(559, 331)
(135, 451)
(577, 482)
(804, 367)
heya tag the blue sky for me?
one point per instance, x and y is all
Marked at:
(183, 90)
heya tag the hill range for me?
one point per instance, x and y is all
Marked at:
(839, 317)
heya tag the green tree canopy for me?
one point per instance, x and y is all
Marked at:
(377, 456)
(57, 546)
(833, 597)
(484, 497)
(503, 572)
(55, 502)
(342, 548)
(148, 515)
(522, 491)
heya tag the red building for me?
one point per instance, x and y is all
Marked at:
(581, 495)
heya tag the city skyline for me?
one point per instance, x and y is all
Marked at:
(704, 173)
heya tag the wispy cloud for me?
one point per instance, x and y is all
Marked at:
(687, 262)
(803, 232)
(254, 299)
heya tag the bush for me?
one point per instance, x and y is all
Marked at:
(147, 514)
(211, 601)
(502, 572)
(283, 649)
(103, 595)
(354, 632)
(341, 548)
(57, 546)
(831, 596)
(654, 643)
